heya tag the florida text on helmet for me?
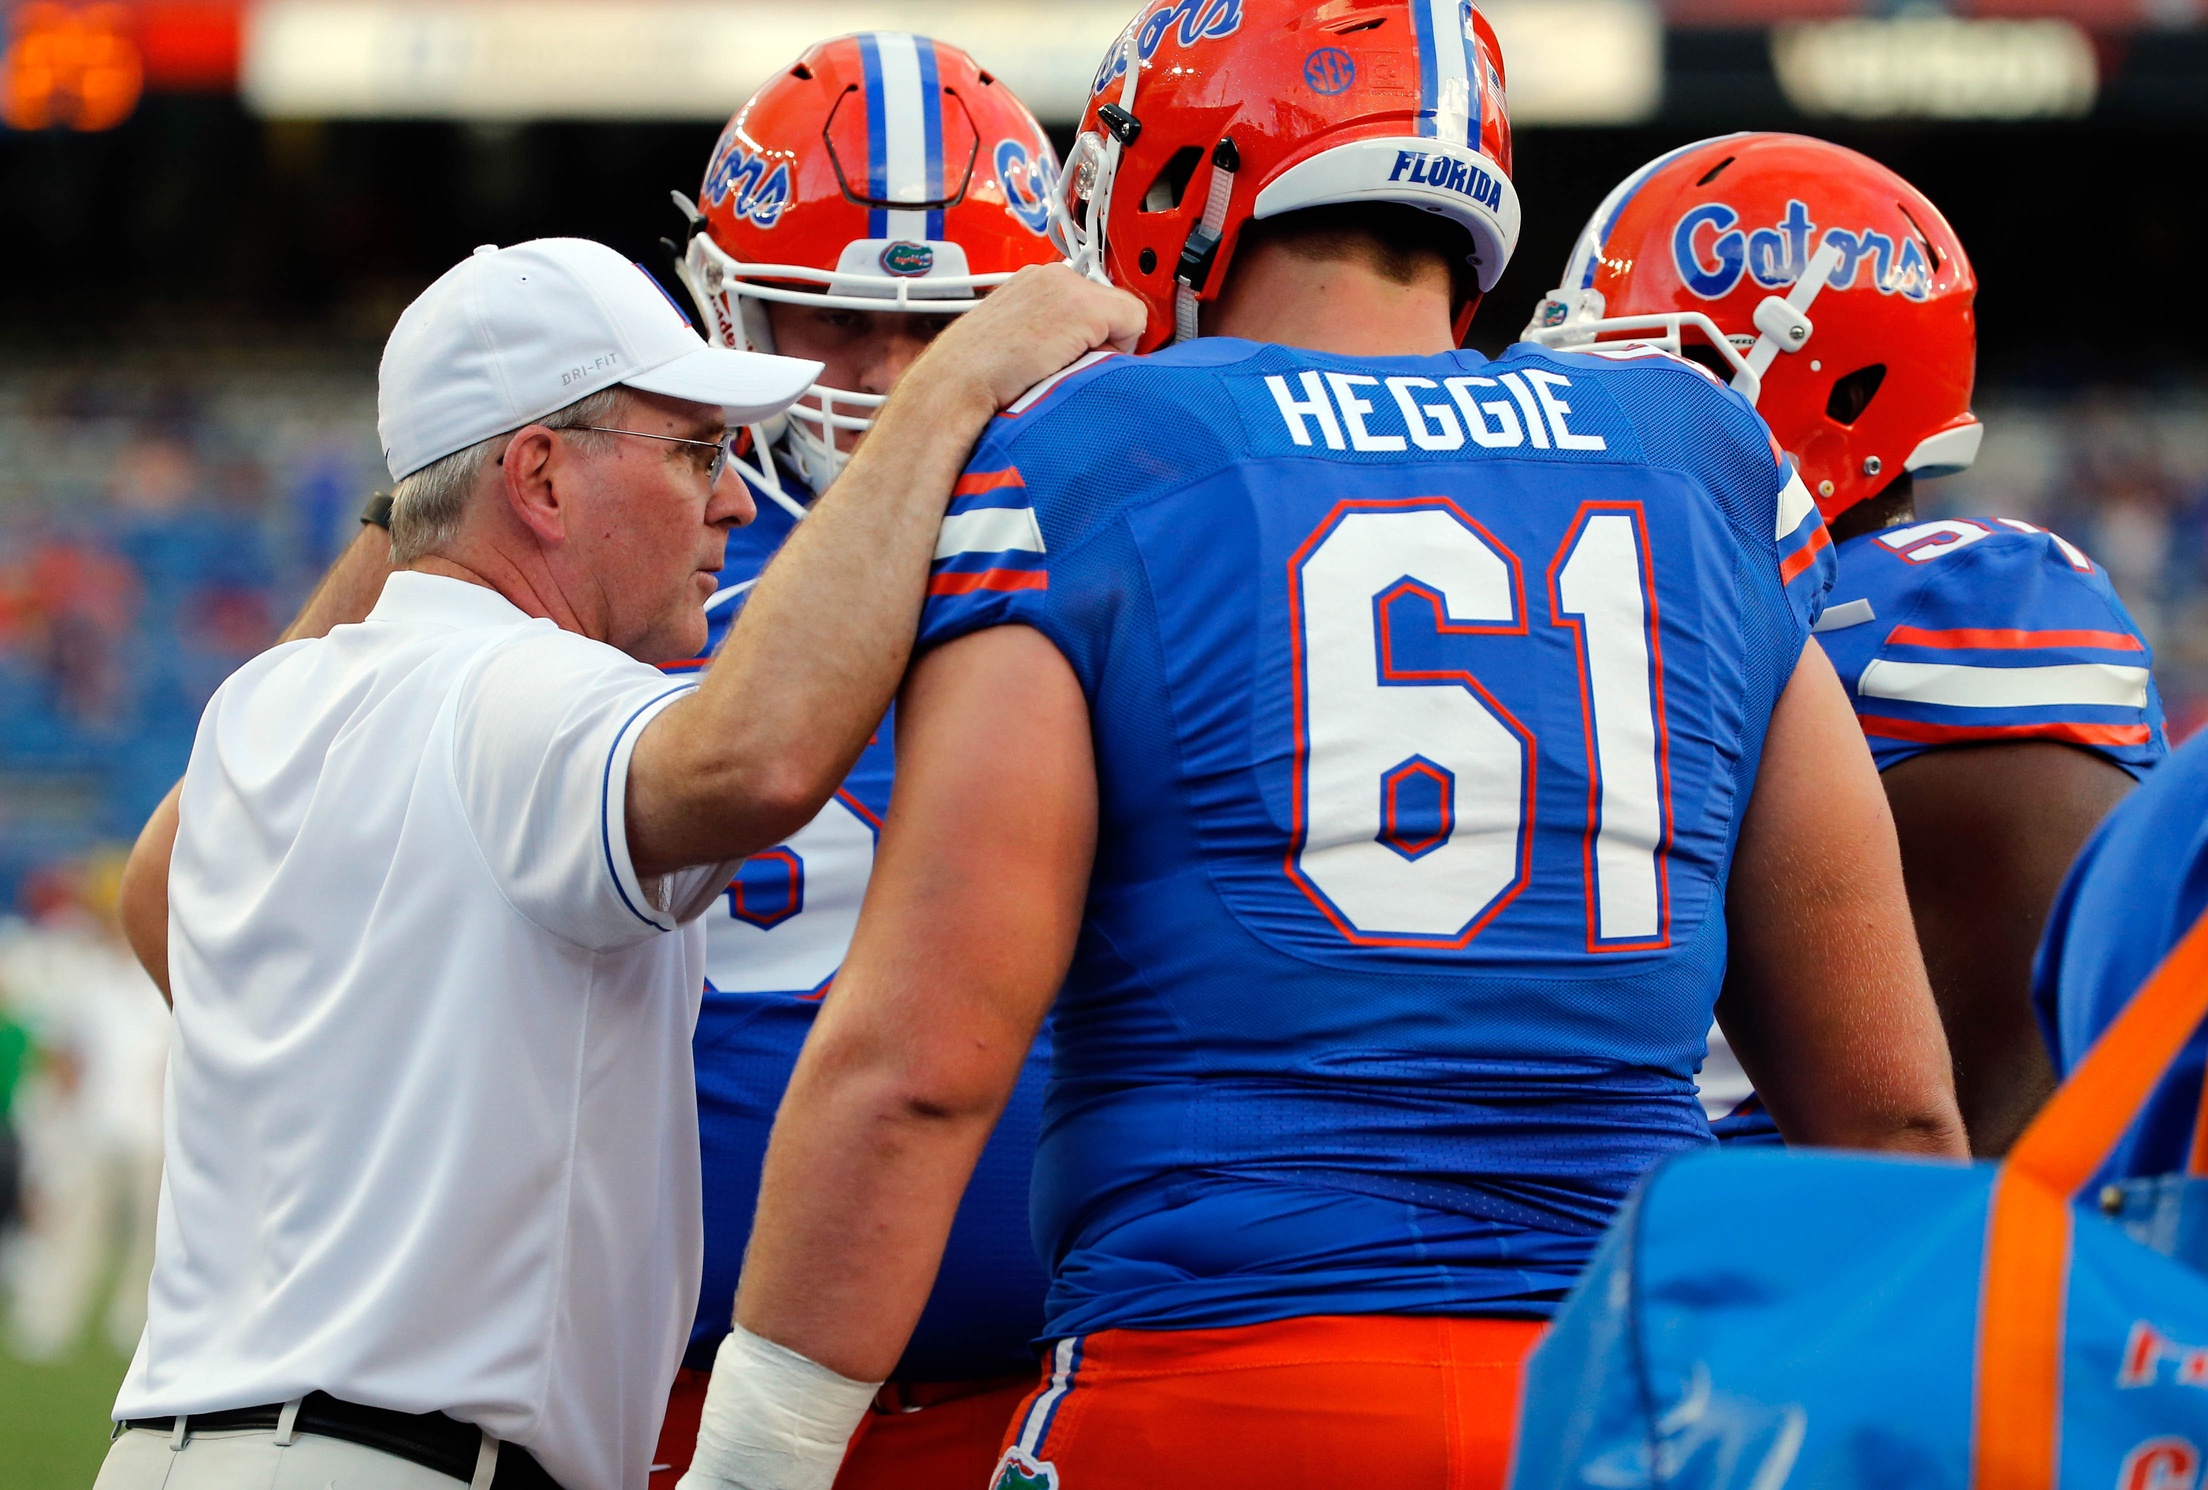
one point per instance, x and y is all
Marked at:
(1207, 114)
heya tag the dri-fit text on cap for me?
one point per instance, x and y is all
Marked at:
(596, 364)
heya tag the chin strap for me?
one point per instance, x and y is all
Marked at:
(765, 473)
(1083, 243)
(1783, 325)
(1201, 252)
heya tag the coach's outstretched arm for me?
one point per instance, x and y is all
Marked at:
(348, 589)
(809, 669)
(1826, 1001)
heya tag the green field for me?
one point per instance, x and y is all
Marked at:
(53, 1418)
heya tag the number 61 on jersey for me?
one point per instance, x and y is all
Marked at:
(1415, 786)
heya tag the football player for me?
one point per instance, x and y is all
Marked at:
(2004, 689)
(2138, 887)
(1383, 748)
(864, 196)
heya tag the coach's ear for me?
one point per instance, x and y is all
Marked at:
(532, 469)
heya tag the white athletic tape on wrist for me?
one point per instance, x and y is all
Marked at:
(773, 1419)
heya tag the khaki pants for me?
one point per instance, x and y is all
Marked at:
(145, 1460)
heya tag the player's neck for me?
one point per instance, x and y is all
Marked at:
(1895, 505)
(1330, 305)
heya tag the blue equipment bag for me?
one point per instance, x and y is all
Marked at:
(1759, 1319)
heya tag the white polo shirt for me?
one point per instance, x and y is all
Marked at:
(432, 1138)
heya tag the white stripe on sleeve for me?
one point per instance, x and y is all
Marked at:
(1795, 504)
(1960, 687)
(989, 530)
(1840, 617)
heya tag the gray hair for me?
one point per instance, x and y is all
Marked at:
(428, 506)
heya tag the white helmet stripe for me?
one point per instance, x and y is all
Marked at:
(1579, 274)
(1448, 101)
(905, 134)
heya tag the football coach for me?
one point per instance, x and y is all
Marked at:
(426, 899)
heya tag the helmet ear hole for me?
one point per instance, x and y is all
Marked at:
(1171, 183)
(1852, 394)
(1709, 359)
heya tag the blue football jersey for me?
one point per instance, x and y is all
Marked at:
(2137, 887)
(1427, 693)
(1971, 631)
(773, 944)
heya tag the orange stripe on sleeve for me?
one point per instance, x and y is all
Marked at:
(1795, 562)
(989, 579)
(1917, 731)
(2004, 640)
(974, 483)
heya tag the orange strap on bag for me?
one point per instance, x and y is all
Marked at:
(2018, 1404)
(2196, 1165)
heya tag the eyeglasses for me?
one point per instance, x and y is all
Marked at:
(724, 449)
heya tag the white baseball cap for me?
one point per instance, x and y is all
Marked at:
(508, 335)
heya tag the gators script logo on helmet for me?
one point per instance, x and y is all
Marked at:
(1209, 113)
(1833, 292)
(879, 172)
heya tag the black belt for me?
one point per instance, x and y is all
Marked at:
(429, 1439)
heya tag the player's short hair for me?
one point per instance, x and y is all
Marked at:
(1401, 244)
(428, 506)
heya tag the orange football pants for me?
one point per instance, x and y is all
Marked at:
(1322, 1403)
(922, 1436)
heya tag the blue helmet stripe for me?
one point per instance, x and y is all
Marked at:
(1422, 22)
(931, 123)
(1606, 216)
(877, 136)
(1477, 72)
(1448, 73)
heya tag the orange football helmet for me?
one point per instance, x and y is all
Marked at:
(1208, 113)
(879, 172)
(1835, 294)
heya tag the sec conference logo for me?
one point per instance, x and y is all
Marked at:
(1329, 70)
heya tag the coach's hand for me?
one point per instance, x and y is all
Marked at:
(1037, 322)
(774, 728)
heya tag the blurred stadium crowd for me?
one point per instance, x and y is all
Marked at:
(155, 529)
(84, 1044)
